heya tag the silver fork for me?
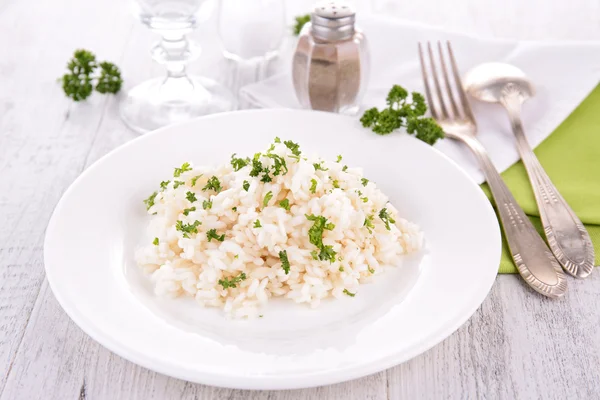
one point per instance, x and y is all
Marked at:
(450, 108)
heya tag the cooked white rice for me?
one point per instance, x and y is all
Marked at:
(240, 273)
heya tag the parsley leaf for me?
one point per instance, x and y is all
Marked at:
(176, 184)
(383, 214)
(349, 293)
(369, 223)
(187, 211)
(294, 147)
(150, 200)
(403, 113)
(268, 197)
(184, 168)
(212, 234)
(314, 255)
(278, 164)
(339, 158)
(285, 263)
(191, 196)
(194, 180)
(246, 185)
(285, 203)
(110, 80)
(341, 269)
(301, 20)
(313, 185)
(234, 209)
(335, 184)
(164, 184)
(364, 181)
(364, 199)
(257, 166)
(345, 168)
(371, 270)
(187, 228)
(207, 204)
(277, 140)
(155, 241)
(239, 163)
(315, 235)
(213, 184)
(232, 282)
(318, 167)
(257, 224)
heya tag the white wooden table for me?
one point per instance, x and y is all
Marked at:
(517, 345)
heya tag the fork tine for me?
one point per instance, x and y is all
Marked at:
(432, 105)
(459, 86)
(455, 109)
(436, 81)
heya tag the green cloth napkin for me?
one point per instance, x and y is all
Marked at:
(571, 157)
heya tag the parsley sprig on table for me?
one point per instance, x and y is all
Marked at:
(403, 113)
(82, 78)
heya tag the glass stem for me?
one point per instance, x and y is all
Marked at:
(175, 51)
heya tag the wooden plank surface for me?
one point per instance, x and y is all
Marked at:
(517, 345)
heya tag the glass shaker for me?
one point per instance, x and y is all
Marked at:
(330, 66)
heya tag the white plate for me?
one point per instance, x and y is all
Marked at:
(100, 220)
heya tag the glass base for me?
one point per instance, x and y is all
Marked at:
(163, 101)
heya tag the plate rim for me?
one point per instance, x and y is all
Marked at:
(274, 382)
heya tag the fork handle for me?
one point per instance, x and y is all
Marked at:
(533, 259)
(568, 238)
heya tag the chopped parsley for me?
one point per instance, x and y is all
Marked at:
(383, 214)
(213, 184)
(239, 163)
(212, 234)
(294, 147)
(164, 184)
(277, 140)
(371, 270)
(176, 184)
(155, 242)
(364, 181)
(207, 204)
(187, 211)
(232, 282)
(268, 197)
(369, 223)
(345, 168)
(187, 228)
(318, 167)
(335, 184)
(184, 168)
(349, 293)
(246, 185)
(314, 255)
(257, 224)
(339, 158)
(285, 203)
(149, 202)
(315, 235)
(258, 168)
(278, 165)
(191, 196)
(285, 263)
(194, 180)
(313, 185)
(234, 209)
(365, 199)
(341, 269)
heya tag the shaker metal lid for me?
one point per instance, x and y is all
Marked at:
(333, 20)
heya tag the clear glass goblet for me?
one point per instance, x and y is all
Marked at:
(177, 97)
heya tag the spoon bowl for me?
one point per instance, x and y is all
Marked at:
(488, 82)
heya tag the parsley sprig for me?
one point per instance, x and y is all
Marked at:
(385, 217)
(285, 263)
(403, 113)
(301, 20)
(187, 228)
(82, 78)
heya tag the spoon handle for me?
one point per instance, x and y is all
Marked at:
(531, 255)
(567, 237)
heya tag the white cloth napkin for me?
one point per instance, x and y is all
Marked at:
(563, 72)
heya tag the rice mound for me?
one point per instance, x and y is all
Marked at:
(234, 245)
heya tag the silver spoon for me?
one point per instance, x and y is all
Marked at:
(567, 237)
